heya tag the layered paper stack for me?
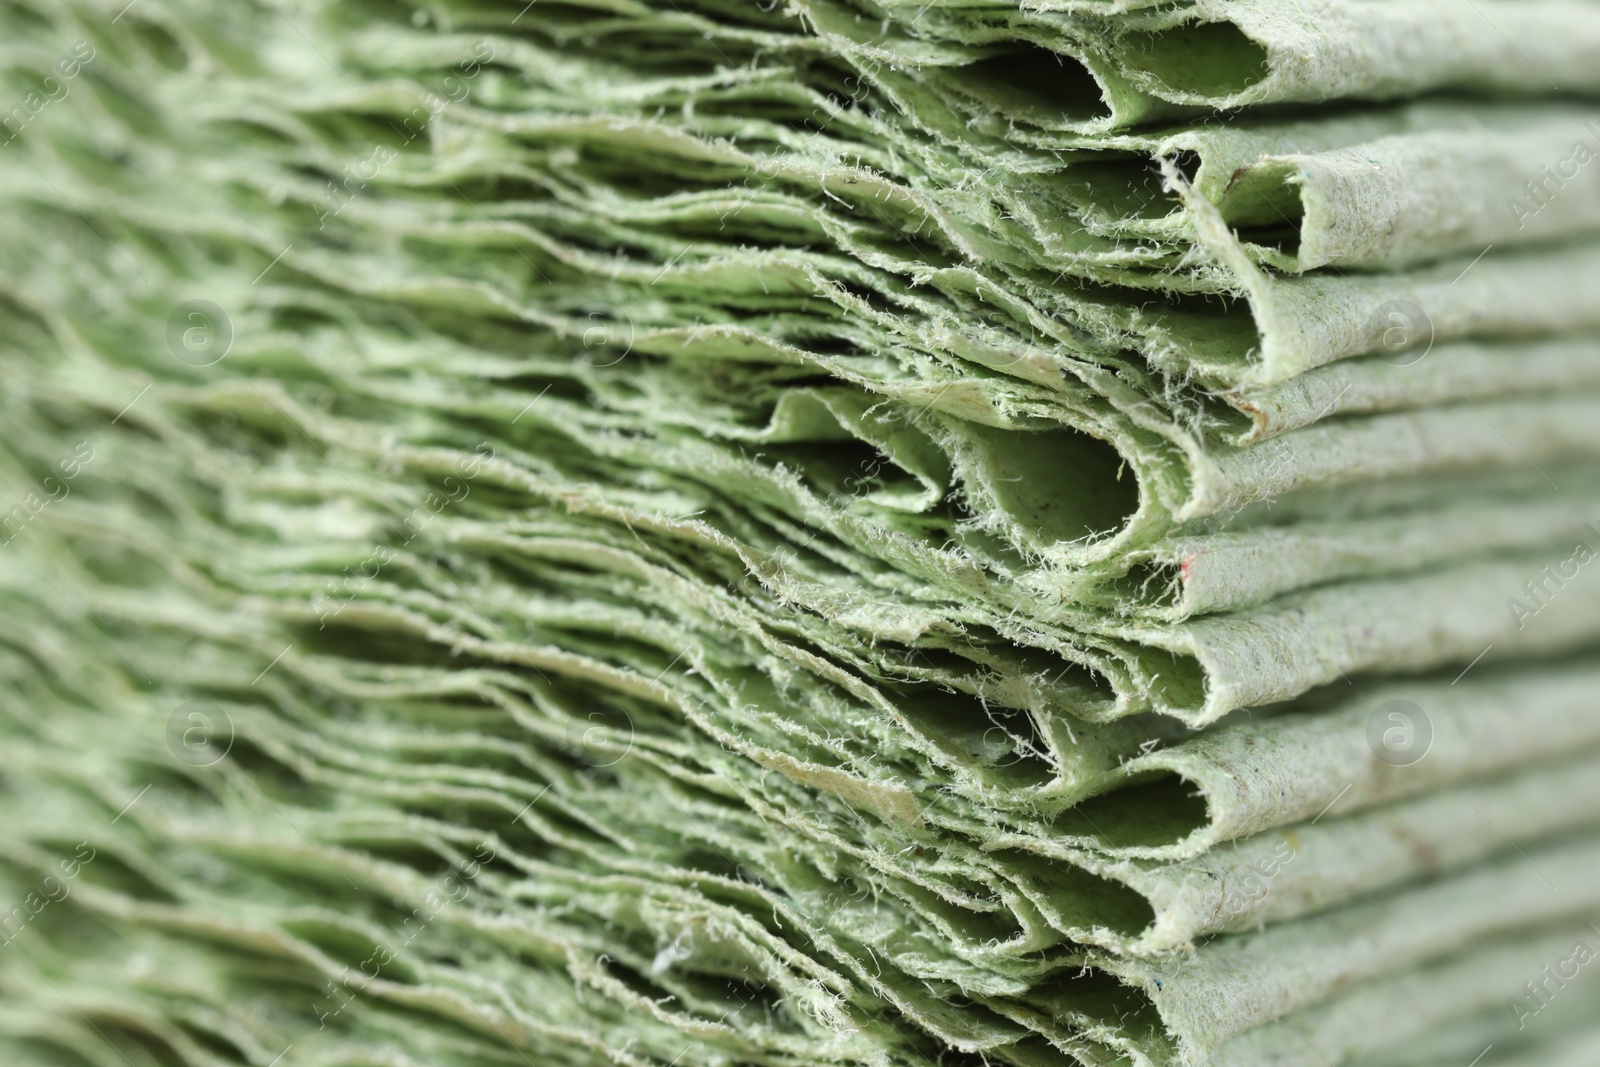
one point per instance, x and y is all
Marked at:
(693, 532)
